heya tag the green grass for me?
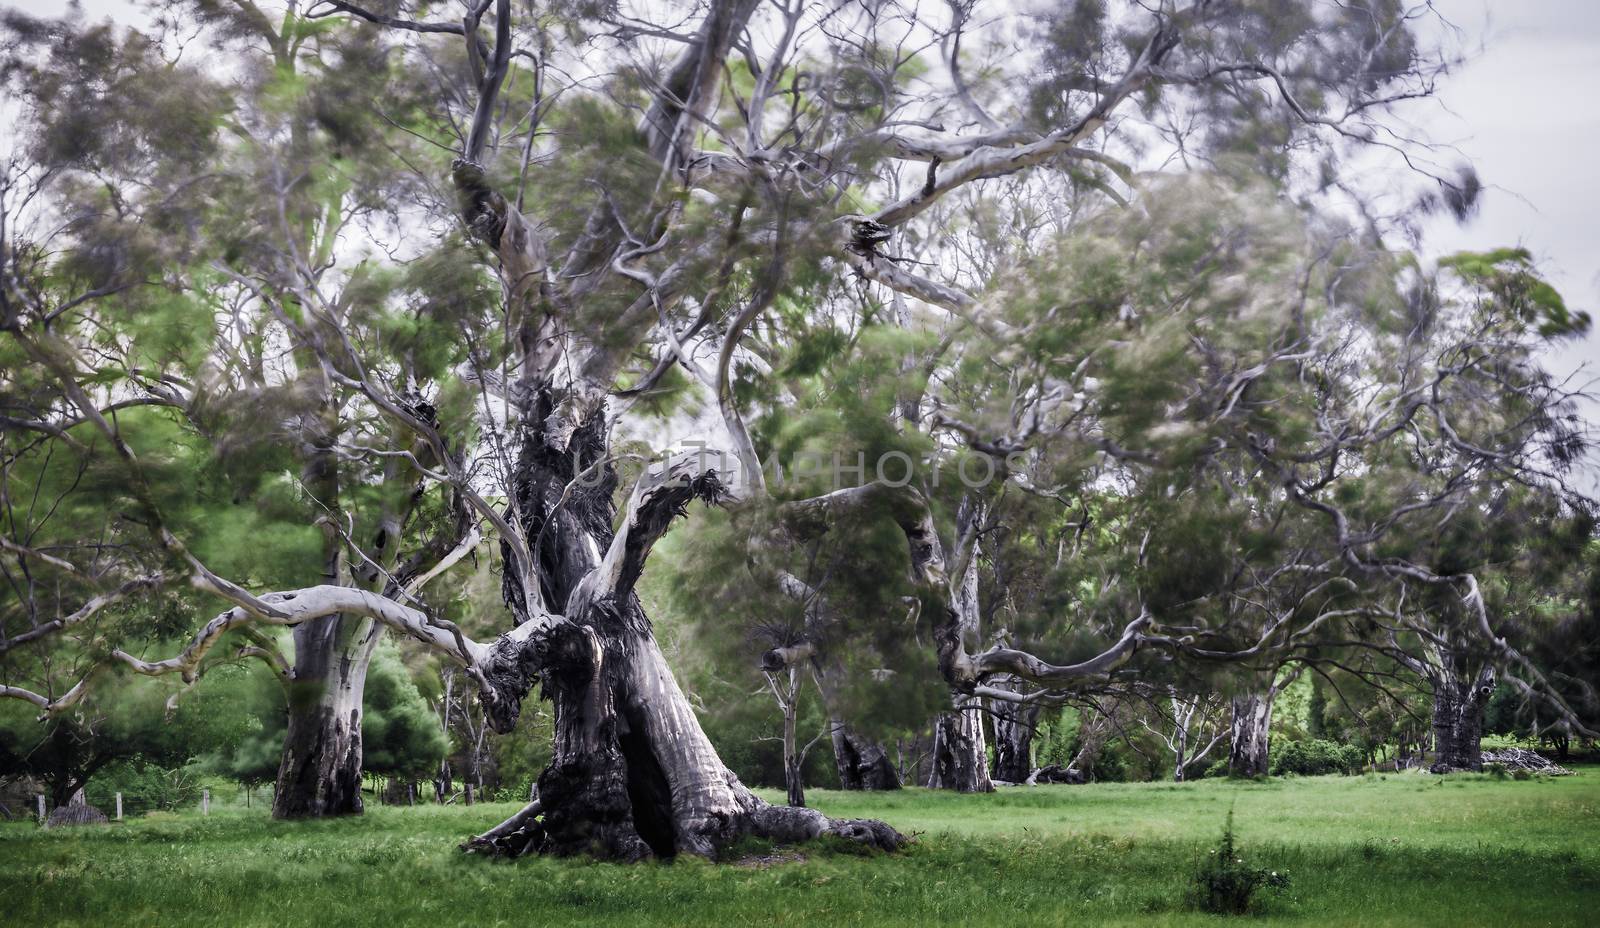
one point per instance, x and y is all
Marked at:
(1398, 850)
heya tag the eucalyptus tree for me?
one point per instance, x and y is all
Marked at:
(1195, 729)
(697, 195)
(172, 231)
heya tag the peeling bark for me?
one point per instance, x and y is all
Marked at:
(960, 756)
(319, 773)
(1250, 733)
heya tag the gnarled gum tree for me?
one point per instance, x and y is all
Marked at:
(668, 215)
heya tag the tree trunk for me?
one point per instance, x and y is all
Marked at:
(632, 773)
(960, 759)
(1250, 734)
(1180, 752)
(1014, 726)
(794, 786)
(960, 756)
(1459, 697)
(320, 770)
(1094, 731)
(861, 762)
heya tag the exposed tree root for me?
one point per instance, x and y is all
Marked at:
(525, 833)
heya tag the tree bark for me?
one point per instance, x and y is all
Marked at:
(960, 755)
(632, 773)
(1250, 734)
(320, 770)
(794, 786)
(1014, 727)
(960, 758)
(1459, 697)
(863, 764)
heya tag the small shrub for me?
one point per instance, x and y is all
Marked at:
(1225, 884)
(1217, 769)
(1314, 757)
(1521, 774)
(1495, 771)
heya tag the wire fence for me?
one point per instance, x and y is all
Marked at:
(28, 800)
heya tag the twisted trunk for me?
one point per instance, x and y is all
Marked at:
(632, 774)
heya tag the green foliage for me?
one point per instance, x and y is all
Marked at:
(1313, 757)
(1225, 884)
(1509, 277)
(1316, 727)
(145, 785)
(131, 736)
(400, 734)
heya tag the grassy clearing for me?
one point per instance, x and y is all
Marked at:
(1400, 850)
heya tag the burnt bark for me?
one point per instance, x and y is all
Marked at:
(1460, 694)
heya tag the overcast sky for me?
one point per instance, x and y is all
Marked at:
(1525, 111)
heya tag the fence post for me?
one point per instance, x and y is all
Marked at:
(119, 807)
(41, 808)
(411, 795)
(469, 793)
(205, 802)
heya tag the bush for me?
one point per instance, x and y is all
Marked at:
(1225, 884)
(1217, 769)
(1314, 757)
(145, 786)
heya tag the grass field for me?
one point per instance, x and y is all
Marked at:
(1403, 849)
